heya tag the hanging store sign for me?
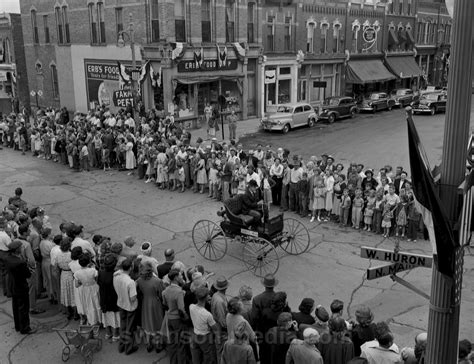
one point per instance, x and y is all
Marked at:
(270, 76)
(206, 65)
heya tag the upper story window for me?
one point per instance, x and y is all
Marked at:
(447, 33)
(46, 29)
(59, 25)
(270, 33)
(288, 23)
(230, 20)
(65, 19)
(324, 36)
(54, 81)
(34, 27)
(101, 21)
(155, 22)
(118, 20)
(400, 7)
(409, 7)
(251, 22)
(336, 35)
(180, 20)
(7, 56)
(93, 24)
(310, 26)
(206, 25)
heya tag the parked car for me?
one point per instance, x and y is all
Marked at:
(403, 96)
(429, 89)
(377, 101)
(431, 103)
(290, 116)
(337, 107)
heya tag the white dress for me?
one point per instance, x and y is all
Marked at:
(130, 161)
(89, 294)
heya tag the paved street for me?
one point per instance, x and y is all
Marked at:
(118, 205)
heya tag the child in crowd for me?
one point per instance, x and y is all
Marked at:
(84, 157)
(413, 217)
(212, 180)
(319, 199)
(387, 216)
(181, 176)
(346, 203)
(357, 205)
(378, 209)
(369, 210)
(266, 185)
(402, 216)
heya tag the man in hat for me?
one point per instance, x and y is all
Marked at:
(18, 274)
(173, 300)
(202, 348)
(219, 312)
(263, 301)
(252, 201)
(305, 352)
(163, 269)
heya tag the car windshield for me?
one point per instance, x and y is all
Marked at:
(331, 102)
(400, 92)
(374, 96)
(284, 108)
(432, 97)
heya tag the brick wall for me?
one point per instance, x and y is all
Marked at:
(20, 60)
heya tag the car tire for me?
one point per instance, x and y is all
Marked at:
(389, 107)
(432, 110)
(331, 118)
(311, 122)
(286, 129)
(353, 113)
(374, 109)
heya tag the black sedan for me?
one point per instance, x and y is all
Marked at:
(337, 107)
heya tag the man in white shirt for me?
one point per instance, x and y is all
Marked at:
(259, 154)
(77, 234)
(382, 350)
(130, 122)
(252, 175)
(127, 301)
(202, 347)
(296, 174)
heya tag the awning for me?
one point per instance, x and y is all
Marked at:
(367, 71)
(404, 67)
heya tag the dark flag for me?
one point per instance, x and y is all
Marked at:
(428, 203)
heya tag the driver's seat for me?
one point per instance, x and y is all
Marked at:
(233, 209)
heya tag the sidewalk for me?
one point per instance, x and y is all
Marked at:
(244, 127)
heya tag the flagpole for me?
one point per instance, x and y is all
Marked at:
(443, 320)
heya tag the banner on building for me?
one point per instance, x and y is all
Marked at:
(270, 76)
(103, 79)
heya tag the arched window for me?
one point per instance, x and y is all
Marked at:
(310, 26)
(101, 22)
(93, 24)
(54, 81)
(59, 24)
(65, 21)
(34, 27)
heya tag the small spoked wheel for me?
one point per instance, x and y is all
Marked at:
(66, 353)
(295, 240)
(209, 240)
(260, 257)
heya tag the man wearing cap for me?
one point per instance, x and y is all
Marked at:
(305, 352)
(173, 300)
(202, 348)
(18, 274)
(219, 311)
(163, 269)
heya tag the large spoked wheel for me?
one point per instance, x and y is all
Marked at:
(295, 240)
(209, 240)
(260, 257)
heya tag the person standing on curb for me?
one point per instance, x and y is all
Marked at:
(232, 121)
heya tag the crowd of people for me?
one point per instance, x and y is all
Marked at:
(167, 305)
(161, 152)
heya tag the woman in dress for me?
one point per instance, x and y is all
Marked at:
(201, 174)
(161, 171)
(66, 283)
(74, 266)
(85, 281)
(108, 298)
(150, 288)
(130, 161)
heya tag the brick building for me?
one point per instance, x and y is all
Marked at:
(14, 93)
(434, 26)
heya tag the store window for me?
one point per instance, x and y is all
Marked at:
(250, 22)
(100, 19)
(93, 24)
(118, 21)
(59, 25)
(284, 91)
(34, 27)
(270, 33)
(310, 25)
(230, 20)
(155, 23)
(206, 24)
(65, 18)
(54, 81)
(288, 23)
(46, 29)
(180, 20)
(302, 85)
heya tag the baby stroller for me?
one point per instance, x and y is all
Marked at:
(84, 339)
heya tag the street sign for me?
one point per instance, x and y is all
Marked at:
(416, 260)
(387, 270)
(33, 94)
(40, 93)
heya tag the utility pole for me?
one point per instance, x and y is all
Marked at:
(443, 321)
(134, 61)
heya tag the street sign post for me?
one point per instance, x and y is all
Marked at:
(416, 260)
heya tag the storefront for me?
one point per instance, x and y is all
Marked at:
(280, 80)
(183, 87)
(406, 70)
(8, 100)
(318, 80)
(365, 75)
